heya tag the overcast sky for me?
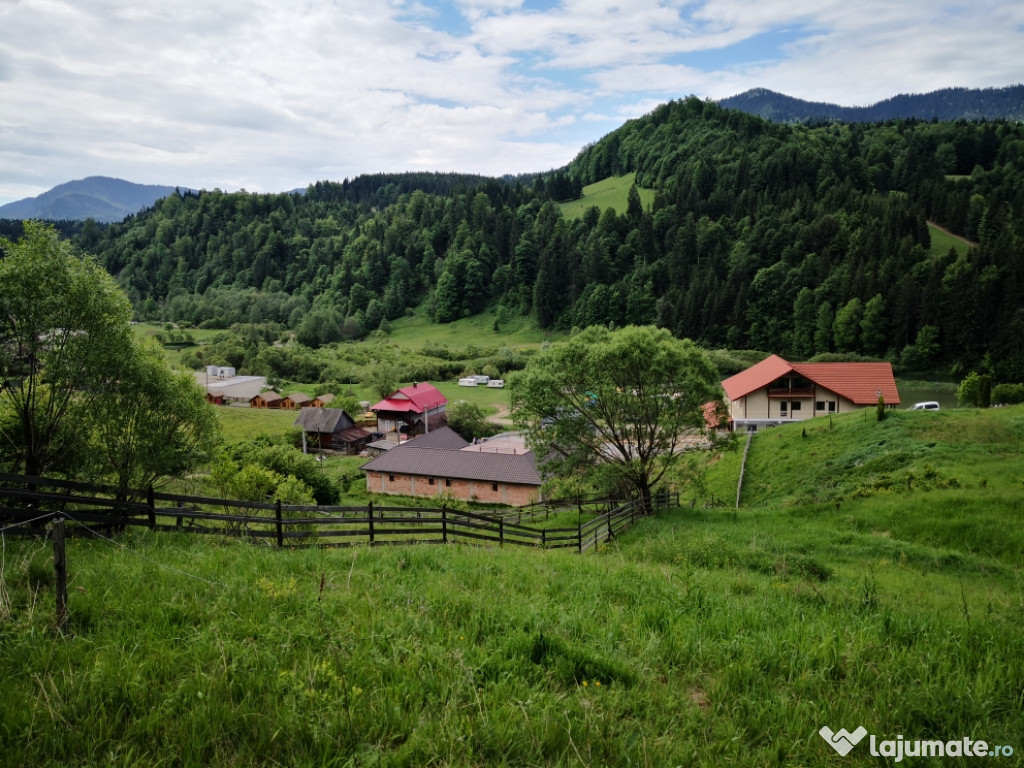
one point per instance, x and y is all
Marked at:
(269, 95)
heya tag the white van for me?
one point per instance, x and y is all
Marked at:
(928, 405)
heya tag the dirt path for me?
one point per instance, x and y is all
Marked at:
(964, 240)
(501, 417)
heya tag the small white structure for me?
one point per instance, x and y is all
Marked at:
(480, 379)
(496, 383)
(469, 381)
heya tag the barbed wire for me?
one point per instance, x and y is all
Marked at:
(27, 522)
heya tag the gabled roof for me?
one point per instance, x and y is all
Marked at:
(268, 397)
(299, 397)
(325, 421)
(416, 398)
(444, 438)
(408, 459)
(755, 377)
(858, 382)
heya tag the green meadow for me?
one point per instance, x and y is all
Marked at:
(612, 193)
(871, 576)
(943, 242)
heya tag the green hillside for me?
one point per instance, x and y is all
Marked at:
(611, 193)
(797, 239)
(871, 577)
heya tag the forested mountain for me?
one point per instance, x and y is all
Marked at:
(786, 238)
(946, 105)
(96, 197)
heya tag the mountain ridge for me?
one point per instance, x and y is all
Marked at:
(102, 198)
(946, 104)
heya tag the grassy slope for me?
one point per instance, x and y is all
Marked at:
(609, 193)
(942, 242)
(836, 596)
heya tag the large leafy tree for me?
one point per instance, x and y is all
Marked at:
(64, 330)
(154, 423)
(623, 402)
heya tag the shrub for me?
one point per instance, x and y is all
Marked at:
(1008, 394)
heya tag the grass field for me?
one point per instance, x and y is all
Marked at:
(479, 331)
(612, 192)
(942, 242)
(872, 577)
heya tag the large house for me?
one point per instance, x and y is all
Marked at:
(499, 470)
(413, 410)
(776, 391)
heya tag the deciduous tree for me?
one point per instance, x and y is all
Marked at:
(64, 330)
(622, 402)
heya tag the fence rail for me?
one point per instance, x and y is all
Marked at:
(36, 500)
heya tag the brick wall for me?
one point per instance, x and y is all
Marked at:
(467, 490)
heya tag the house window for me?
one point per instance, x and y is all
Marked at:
(430, 481)
(819, 405)
(796, 405)
(448, 482)
(831, 406)
(783, 406)
(391, 478)
(494, 486)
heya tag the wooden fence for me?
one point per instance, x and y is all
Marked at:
(28, 503)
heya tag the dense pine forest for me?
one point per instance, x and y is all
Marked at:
(795, 239)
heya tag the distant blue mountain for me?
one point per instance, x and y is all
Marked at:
(945, 105)
(97, 197)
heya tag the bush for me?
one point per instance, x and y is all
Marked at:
(1008, 394)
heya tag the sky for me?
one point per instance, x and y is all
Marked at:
(270, 96)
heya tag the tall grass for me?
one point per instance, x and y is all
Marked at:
(700, 637)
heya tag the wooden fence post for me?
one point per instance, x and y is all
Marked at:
(151, 503)
(61, 573)
(579, 538)
(369, 515)
(444, 523)
(280, 530)
(609, 525)
(501, 532)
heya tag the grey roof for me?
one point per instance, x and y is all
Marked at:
(444, 438)
(323, 420)
(411, 458)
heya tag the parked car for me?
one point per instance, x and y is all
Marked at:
(927, 405)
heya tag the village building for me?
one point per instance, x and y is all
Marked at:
(268, 399)
(322, 401)
(414, 410)
(331, 429)
(295, 400)
(775, 391)
(223, 387)
(499, 470)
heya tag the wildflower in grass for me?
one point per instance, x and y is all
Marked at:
(584, 683)
(597, 683)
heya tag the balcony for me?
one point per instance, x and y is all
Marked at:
(798, 392)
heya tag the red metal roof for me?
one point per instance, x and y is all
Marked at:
(857, 382)
(416, 398)
(755, 377)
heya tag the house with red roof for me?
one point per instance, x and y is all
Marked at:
(412, 410)
(776, 391)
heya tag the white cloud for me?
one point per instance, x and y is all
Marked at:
(272, 96)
